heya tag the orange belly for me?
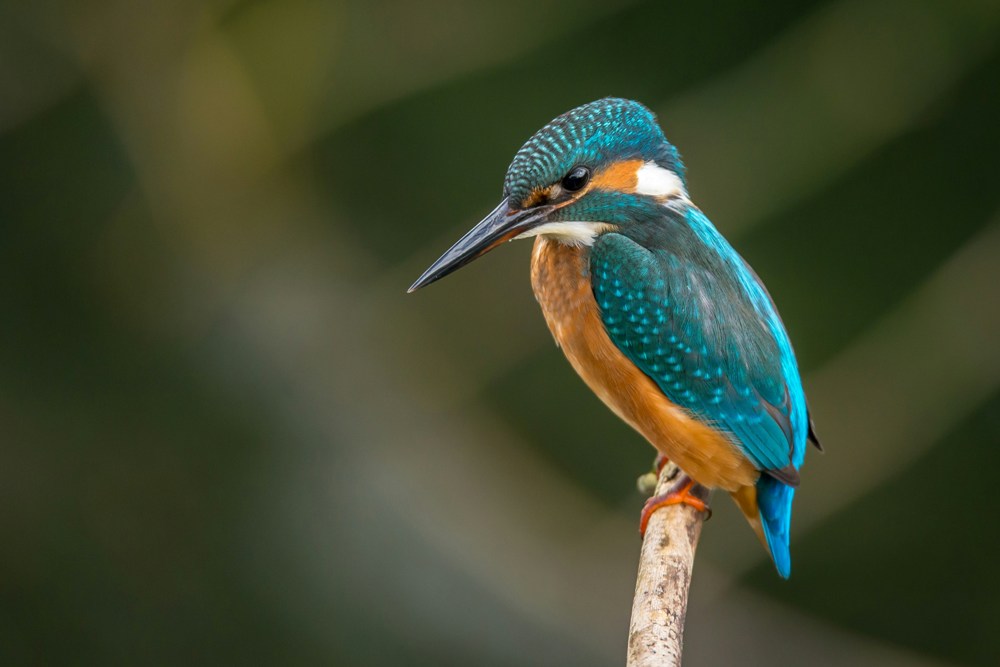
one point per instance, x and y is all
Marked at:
(560, 279)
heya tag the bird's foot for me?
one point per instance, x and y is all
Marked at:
(680, 496)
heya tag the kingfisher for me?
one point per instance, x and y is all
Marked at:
(655, 310)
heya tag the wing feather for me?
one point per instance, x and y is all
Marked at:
(697, 330)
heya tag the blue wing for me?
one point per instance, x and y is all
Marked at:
(704, 344)
(690, 313)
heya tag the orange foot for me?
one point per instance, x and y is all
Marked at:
(660, 461)
(681, 496)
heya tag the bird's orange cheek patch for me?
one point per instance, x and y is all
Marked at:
(536, 197)
(620, 177)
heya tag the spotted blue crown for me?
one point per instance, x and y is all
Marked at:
(594, 134)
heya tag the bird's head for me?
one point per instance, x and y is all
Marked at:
(602, 166)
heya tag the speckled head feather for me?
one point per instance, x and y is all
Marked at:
(594, 134)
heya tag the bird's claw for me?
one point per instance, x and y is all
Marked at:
(681, 496)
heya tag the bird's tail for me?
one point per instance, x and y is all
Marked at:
(768, 508)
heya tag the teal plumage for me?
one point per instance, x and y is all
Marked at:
(592, 133)
(670, 294)
(694, 318)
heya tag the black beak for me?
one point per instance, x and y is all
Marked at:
(503, 224)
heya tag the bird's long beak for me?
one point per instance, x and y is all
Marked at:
(503, 224)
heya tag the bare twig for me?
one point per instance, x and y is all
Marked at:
(656, 632)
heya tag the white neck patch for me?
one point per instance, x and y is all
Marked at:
(656, 181)
(574, 233)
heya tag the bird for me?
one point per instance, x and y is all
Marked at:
(665, 322)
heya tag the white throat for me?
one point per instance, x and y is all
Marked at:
(572, 233)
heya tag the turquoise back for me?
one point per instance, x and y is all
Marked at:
(683, 306)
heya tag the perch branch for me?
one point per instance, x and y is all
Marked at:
(656, 631)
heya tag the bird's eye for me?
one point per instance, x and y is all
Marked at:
(576, 179)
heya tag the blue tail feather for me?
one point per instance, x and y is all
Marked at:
(774, 499)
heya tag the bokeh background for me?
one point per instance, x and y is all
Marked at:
(227, 436)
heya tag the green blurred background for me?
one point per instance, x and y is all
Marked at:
(228, 436)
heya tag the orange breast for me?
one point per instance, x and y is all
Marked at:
(559, 277)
